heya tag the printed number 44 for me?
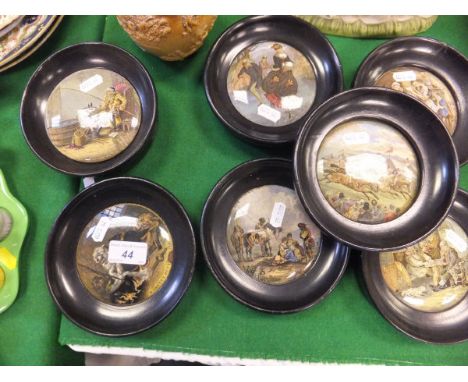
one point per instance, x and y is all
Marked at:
(127, 254)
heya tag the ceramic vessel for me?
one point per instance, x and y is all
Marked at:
(260, 244)
(171, 38)
(133, 256)
(31, 48)
(13, 227)
(5, 223)
(366, 169)
(371, 26)
(428, 70)
(422, 290)
(266, 74)
(29, 32)
(99, 112)
(8, 23)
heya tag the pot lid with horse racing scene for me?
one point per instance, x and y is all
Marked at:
(367, 170)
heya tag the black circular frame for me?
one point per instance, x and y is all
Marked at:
(63, 280)
(436, 57)
(60, 65)
(448, 326)
(297, 295)
(282, 29)
(438, 165)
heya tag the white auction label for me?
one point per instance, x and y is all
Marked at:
(242, 211)
(357, 138)
(269, 113)
(91, 83)
(127, 252)
(408, 75)
(277, 215)
(55, 121)
(241, 96)
(291, 102)
(101, 229)
(456, 241)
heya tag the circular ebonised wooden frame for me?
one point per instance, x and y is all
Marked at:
(433, 56)
(448, 326)
(438, 166)
(297, 295)
(53, 70)
(63, 280)
(283, 29)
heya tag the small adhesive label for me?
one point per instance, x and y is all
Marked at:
(127, 252)
(292, 102)
(358, 138)
(408, 75)
(242, 211)
(456, 241)
(55, 121)
(91, 83)
(277, 215)
(101, 229)
(241, 96)
(269, 113)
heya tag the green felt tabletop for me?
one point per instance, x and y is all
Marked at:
(190, 152)
(29, 328)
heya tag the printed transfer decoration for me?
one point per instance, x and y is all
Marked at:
(125, 254)
(93, 115)
(432, 275)
(26, 33)
(425, 87)
(271, 84)
(368, 171)
(270, 237)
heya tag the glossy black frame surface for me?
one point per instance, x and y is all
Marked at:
(62, 277)
(431, 142)
(284, 29)
(57, 67)
(448, 326)
(434, 56)
(297, 295)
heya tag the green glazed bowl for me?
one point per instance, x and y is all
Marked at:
(13, 227)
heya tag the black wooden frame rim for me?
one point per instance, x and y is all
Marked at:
(302, 144)
(89, 190)
(210, 258)
(113, 164)
(358, 80)
(396, 311)
(261, 138)
(403, 39)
